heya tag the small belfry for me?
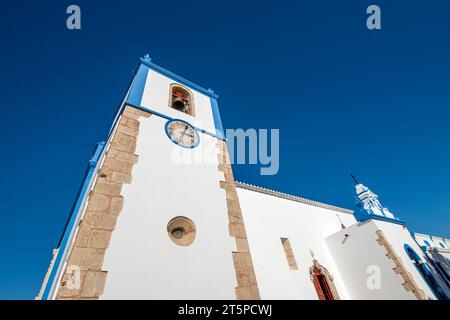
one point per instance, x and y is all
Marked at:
(368, 204)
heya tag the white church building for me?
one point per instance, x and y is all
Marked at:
(148, 226)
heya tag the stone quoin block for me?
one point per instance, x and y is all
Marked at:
(128, 131)
(70, 286)
(87, 258)
(118, 165)
(94, 284)
(127, 157)
(98, 202)
(124, 139)
(120, 177)
(128, 122)
(99, 220)
(123, 147)
(108, 188)
(116, 205)
(134, 113)
(83, 236)
(130, 114)
(99, 239)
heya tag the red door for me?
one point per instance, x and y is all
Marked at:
(321, 284)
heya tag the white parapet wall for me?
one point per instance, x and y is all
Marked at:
(270, 216)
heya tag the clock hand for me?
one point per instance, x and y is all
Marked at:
(185, 132)
(185, 129)
(188, 134)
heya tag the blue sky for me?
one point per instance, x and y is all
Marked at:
(346, 99)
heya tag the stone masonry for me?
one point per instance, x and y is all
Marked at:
(409, 284)
(247, 287)
(84, 277)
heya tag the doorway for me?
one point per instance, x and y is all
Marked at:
(323, 282)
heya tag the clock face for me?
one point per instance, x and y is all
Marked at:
(182, 133)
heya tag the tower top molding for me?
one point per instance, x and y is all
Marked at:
(147, 61)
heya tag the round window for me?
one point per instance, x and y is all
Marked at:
(181, 231)
(178, 233)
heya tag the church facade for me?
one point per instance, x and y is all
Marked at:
(148, 225)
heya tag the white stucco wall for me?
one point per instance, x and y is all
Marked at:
(141, 260)
(268, 218)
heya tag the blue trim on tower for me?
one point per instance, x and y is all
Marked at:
(138, 85)
(217, 120)
(71, 224)
(156, 113)
(148, 62)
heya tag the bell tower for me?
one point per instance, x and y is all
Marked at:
(157, 215)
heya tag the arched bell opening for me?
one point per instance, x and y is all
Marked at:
(181, 99)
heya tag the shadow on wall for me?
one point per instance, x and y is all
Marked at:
(442, 264)
(428, 273)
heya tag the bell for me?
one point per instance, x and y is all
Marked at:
(179, 104)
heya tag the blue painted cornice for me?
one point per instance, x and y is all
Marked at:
(363, 216)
